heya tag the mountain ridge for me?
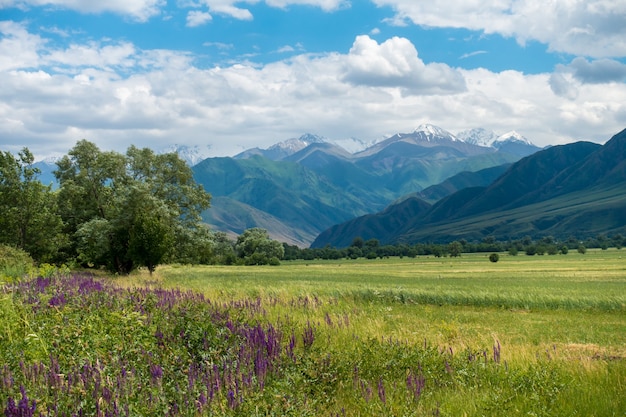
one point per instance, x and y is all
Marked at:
(555, 179)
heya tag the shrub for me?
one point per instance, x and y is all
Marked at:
(14, 263)
(494, 257)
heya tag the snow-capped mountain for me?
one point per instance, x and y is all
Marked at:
(283, 149)
(294, 145)
(515, 144)
(511, 136)
(430, 133)
(478, 136)
(190, 154)
(354, 145)
(427, 134)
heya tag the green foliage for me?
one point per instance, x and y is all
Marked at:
(126, 211)
(455, 249)
(255, 247)
(29, 217)
(494, 257)
(14, 263)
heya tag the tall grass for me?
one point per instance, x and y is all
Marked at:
(415, 337)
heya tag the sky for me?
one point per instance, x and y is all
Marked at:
(231, 75)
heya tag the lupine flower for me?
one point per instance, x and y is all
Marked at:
(381, 391)
(21, 409)
(496, 352)
(308, 337)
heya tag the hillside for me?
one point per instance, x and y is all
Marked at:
(575, 189)
(303, 186)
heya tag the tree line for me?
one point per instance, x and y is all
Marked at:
(117, 211)
(372, 248)
(141, 209)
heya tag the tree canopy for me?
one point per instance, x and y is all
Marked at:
(127, 210)
(30, 218)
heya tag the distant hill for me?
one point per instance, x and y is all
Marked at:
(575, 189)
(300, 187)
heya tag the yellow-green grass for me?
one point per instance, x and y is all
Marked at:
(560, 321)
(568, 306)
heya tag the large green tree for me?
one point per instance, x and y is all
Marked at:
(29, 218)
(256, 247)
(128, 210)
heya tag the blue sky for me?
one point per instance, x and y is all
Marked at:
(229, 75)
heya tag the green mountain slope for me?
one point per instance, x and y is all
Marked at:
(322, 185)
(575, 189)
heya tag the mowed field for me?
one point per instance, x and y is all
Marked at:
(564, 309)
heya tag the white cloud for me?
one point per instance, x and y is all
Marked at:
(228, 8)
(471, 54)
(197, 18)
(18, 48)
(395, 63)
(326, 5)
(591, 28)
(375, 89)
(599, 71)
(140, 10)
(563, 86)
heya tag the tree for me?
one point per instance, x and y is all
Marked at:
(30, 219)
(255, 247)
(455, 248)
(127, 210)
(358, 242)
(494, 257)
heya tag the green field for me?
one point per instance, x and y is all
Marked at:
(540, 335)
(570, 309)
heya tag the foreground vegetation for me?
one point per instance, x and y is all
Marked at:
(411, 336)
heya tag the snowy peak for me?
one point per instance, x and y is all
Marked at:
(515, 144)
(192, 155)
(354, 145)
(512, 136)
(430, 133)
(478, 137)
(291, 146)
(284, 149)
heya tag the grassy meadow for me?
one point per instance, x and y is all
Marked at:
(540, 335)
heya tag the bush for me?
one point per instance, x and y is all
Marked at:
(14, 263)
(494, 257)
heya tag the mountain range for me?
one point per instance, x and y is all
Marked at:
(298, 188)
(577, 189)
(301, 188)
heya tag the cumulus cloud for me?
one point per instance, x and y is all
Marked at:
(125, 95)
(395, 63)
(567, 79)
(228, 8)
(599, 71)
(563, 87)
(140, 10)
(198, 18)
(591, 28)
(18, 47)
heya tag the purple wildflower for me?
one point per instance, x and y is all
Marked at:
(308, 337)
(21, 409)
(381, 391)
